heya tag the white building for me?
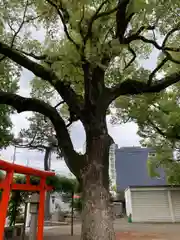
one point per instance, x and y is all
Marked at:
(112, 166)
(153, 204)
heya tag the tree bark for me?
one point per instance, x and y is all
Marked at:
(97, 213)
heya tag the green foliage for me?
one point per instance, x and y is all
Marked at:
(59, 183)
(151, 167)
(157, 116)
(63, 54)
(65, 58)
(17, 199)
(40, 134)
(43, 90)
(63, 184)
(15, 206)
(114, 188)
(7, 83)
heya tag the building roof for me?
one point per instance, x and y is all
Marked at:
(132, 168)
(156, 186)
(153, 188)
(134, 149)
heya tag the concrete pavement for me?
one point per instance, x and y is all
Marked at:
(124, 230)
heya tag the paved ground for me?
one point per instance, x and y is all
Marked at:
(124, 231)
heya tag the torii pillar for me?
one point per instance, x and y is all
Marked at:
(7, 184)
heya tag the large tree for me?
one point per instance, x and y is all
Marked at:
(90, 55)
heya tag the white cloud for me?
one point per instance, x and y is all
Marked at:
(125, 134)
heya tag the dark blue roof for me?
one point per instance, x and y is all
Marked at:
(131, 168)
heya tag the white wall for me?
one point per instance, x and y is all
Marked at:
(128, 202)
(150, 206)
(58, 204)
(112, 167)
(153, 204)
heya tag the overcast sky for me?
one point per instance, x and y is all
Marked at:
(123, 135)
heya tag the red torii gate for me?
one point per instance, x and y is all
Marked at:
(7, 185)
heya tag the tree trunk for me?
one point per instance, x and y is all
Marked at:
(46, 158)
(47, 214)
(97, 215)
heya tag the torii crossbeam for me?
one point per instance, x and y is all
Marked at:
(7, 184)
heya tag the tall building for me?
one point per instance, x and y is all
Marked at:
(112, 167)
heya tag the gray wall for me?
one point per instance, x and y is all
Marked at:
(131, 168)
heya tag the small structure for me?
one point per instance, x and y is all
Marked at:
(7, 184)
(117, 209)
(153, 203)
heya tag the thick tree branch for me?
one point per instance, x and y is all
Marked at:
(132, 87)
(33, 55)
(73, 100)
(21, 104)
(44, 57)
(122, 20)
